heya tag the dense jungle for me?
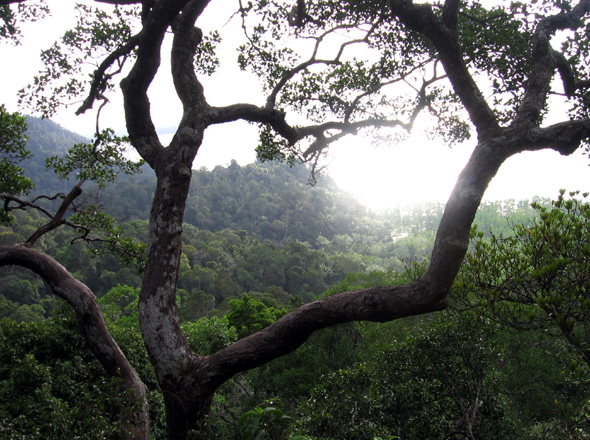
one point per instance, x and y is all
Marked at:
(145, 297)
(270, 242)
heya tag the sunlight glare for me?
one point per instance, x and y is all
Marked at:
(420, 170)
(414, 171)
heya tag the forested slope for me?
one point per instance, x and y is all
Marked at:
(259, 241)
(253, 228)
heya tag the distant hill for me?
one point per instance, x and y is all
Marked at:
(256, 228)
(269, 200)
(46, 138)
(49, 138)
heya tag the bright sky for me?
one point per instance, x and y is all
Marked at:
(414, 171)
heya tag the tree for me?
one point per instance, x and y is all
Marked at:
(442, 51)
(13, 150)
(537, 277)
(249, 315)
(438, 383)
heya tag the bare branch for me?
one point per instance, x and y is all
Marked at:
(100, 78)
(59, 218)
(23, 204)
(271, 99)
(365, 39)
(421, 18)
(344, 128)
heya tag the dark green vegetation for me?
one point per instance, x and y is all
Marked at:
(461, 374)
(266, 230)
(513, 75)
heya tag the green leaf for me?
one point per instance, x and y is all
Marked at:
(100, 161)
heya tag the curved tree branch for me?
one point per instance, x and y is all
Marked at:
(563, 137)
(566, 73)
(545, 62)
(92, 327)
(188, 88)
(252, 113)
(381, 304)
(272, 97)
(425, 295)
(100, 78)
(422, 19)
(140, 126)
(276, 119)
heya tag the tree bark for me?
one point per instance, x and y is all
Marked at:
(188, 381)
(177, 367)
(135, 419)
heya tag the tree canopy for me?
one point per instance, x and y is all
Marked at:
(472, 69)
(537, 278)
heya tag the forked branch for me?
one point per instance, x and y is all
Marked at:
(100, 77)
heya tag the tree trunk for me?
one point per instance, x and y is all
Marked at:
(188, 380)
(178, 369)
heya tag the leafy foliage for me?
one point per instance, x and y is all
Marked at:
(119, 306)
(62, 392)
(208, 335)
(12, 151)
(99, 161)
(309, 239)
(96, 34)
(538, 277)
(206, 60)
(435, 378)
(263, 422)
(248, 315)
(12, 15)
(356, 350)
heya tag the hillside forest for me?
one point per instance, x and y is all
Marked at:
(245, 304)
(508, 358)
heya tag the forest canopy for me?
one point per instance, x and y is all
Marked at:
(495, 73)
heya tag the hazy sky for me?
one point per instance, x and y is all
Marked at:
(416, 170)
